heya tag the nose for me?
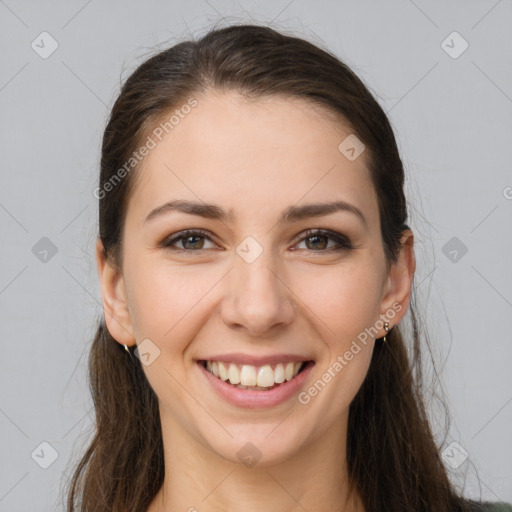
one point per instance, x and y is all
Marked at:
(258, 300)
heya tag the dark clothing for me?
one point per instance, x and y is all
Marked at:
(489, 507)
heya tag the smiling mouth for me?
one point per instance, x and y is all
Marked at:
(256, 378)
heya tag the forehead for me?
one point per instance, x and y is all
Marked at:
(253, 153)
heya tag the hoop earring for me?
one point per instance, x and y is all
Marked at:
(386, 328)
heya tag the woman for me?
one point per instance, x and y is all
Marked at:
(255, 263)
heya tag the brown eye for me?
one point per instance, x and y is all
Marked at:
(190, 241)
(194, 242)
(318, 241)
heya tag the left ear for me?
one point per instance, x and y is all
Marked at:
(398, 286)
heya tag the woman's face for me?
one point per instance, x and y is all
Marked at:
(253, 283)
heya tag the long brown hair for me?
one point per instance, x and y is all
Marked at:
(393, 459)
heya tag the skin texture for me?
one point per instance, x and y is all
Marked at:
(255, 157)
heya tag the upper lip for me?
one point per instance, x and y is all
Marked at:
(256, 360)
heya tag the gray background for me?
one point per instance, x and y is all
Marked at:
(452, 119)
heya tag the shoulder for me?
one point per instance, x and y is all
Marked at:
(475, 506)
(500, 507)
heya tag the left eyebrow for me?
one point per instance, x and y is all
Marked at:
(296, 213)
(290, 214)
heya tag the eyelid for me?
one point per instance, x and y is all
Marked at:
(167, 242)
(343, 242)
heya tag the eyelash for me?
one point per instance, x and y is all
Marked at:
(343, 243)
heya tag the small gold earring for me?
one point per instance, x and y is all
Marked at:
(386, 328)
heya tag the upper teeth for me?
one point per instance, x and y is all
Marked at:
(249, 375)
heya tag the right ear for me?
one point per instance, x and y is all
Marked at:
(113, 293)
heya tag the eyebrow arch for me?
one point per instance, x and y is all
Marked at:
(290, 214)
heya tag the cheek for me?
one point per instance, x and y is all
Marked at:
(164, 300)
(346, 299)
(343, 304)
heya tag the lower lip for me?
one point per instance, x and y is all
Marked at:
(257, 399)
